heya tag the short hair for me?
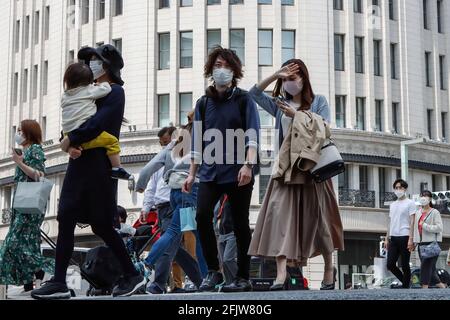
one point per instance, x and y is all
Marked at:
(31, 131)
(77, 75)
(230, 57)
(402, 182)
(122, 213)
(166, 130)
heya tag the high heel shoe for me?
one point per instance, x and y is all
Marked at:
(330, 286)
(281, 286)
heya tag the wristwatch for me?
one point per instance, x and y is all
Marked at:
(249, 164)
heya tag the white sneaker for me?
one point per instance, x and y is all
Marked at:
(25, 294)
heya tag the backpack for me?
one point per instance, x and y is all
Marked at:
(102, 266)
(241, 96)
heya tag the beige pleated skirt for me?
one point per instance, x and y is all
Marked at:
(299, 221)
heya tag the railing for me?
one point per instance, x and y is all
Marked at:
(357, 198)
(386, 198)
(6, 216)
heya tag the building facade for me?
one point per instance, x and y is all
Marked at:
(382, 65)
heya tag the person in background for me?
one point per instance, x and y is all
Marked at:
(124, 228)
(399, 239)
(428, 228)
(20, 254)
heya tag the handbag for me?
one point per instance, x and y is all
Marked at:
(430, 250)
(32, 197)
(177, 179)
(330, 163)
(187, 218)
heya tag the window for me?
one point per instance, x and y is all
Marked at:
(101, 9)
(44, 128)
(360, 114)
(185, 107)
(393, 61)
(391, 10)
(442, 72)
(27, 32)
(17, 37)
(398, 173)
(444, 124)
(118, 7)
(439, 15)
(287, 45)
(237, 43)
(429, 124)
(47, 23)
(339, 62)
(264, 1)
(357, 6)
(379, 115)
(395, 126)
(71, 56)
(447, 178)
(213, 2)
(45, 79)
(164, 51)
(343, 178)
(338, 5)
(363, 178)
(15, 89)
(425, 14)
(163, 110)
(214, 38)
(35, 81)
(265, 118)
(36, 27)
(85, 12)
(427, 69)
(340, 111)
(377, 57)
(186, 49)
(164, 4)
(117, 43)
(382, 183)
(434, 182)
(186, 3)
(236, 1)
(265, 47)
(359, 54)
(287, 2)
(25, 86)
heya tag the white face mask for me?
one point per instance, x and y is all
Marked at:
(399, 193)
(97, 68)
(19, 139)
(293, 87)
(424, 201)
(222, 76)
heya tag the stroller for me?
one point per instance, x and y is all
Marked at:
(101, 269)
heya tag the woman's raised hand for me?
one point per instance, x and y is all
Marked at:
(287, 71)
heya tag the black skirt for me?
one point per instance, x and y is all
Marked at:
(89, 194)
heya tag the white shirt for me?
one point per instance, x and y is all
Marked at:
(157, 191)
(285, 120)
(400, 212)
(78, 104)
(127, 229)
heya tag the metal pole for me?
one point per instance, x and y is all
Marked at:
(404, 161)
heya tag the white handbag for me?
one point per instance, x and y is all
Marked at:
(177, 179)
(330, 163)
(32, 197)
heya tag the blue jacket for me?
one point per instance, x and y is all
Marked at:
(222, 115)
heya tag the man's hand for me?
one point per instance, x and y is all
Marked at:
(65, 144)
(245, 176)
(75, 153)
(411, 245)
(188, 183)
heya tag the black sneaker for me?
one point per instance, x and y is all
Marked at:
(238, 285)
(213, 278)
(51, 290)
(128, 285)
(120, 173)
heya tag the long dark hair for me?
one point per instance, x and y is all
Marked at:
(307, 92)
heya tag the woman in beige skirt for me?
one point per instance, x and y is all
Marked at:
(296, 221)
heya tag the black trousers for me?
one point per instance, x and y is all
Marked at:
(428, 273)
(398, 248)
(239, 198)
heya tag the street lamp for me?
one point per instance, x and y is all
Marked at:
(404, 154)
